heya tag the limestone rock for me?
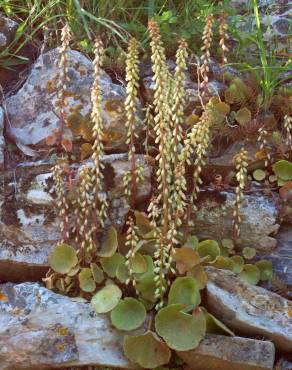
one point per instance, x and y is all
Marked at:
(230, 353)
(248, 309)
(29, 227)
(259, 213)
(41, 329)
(2, 141)
(7, 31)
(33, 111)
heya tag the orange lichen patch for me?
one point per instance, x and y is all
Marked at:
(3, 297)
(80, 125)
(261, 154)
(63, 331)
(61, 347)
(111, 136)
(51, 86)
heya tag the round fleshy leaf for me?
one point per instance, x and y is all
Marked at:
(110, 244)
(250, 273)
(273, 178)
(97, 273)
(138, 264)
(86, 282)
(259, 175)
(106, 299)
(209, 248)
(122, 273)
(74, 271)
(63, 258)
(215, 326)
(181, 331)
(128, 314)
(249, 253)
(283, 170)
(238, 263)
(185, 259)
(228, 244)
(243, 116)
(286, 191)
(110, 264)
(142, 222)
(149, 268)
(146, 350)
(192, 242)
(266, 269)
(146, 287)
(199, 274)
(224, 263)
(184, 290)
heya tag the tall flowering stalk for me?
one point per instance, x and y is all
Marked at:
(132, 78)
(288, 131)
(207, 40)
(63, 78)
(132, 240)
(163, 132)
(223, 27)
(240, 161)
(96, 117)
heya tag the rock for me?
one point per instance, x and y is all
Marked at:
(214, 219)
(281, 258)
(29, 227)
(7, 31)
(32, 110)
(2, 140)
(248, 309)
(41, 329)
(230, 353)
(284, 364)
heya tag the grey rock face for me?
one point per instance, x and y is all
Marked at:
(214, 218)
(249, 309)
(230, 353)
(29, 227)
(40, 329)
(7, 31)
(33, 111)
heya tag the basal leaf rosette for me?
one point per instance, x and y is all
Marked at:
(63, 258)
(128, 314)
(209, 249)
(146, 350)
(250, 273)
(181, 331)
(184, 290)
(106, 299)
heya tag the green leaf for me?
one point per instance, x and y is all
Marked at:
(238, 263)
(86, 282)
(129, 314)
(185, 259)
(138, 264)
(199, 274)
(107, 298)
(146, 287)
(209, 248)
(142, 222)
(192, 242)
(283, 170)
(63, 258)
(259, 175)
(97, 273)
(122, 273)
(184, 290)
(181, 331)
(110, 245)
(249, 253)
(243, 116)
(224, 263)
(266, 269)
(110, 264)
(250, 273)
(215, 326)
(146, 350)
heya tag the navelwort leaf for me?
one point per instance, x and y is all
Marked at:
(181, 331)
(129, 314)
(110, 244)
(106, 299)
(63, 258)
(184, 290)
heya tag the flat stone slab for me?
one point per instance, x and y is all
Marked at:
(248, 309)
(218, 352)
(29, 228)
(214, 219)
